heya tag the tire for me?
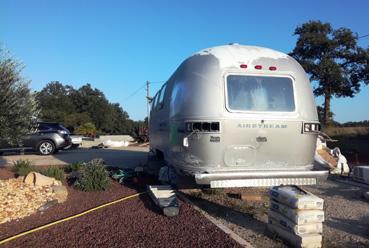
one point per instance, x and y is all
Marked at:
(46, 147)
(74, 146)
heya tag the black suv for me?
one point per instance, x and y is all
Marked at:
(48, 139)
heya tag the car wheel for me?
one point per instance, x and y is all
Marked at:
(75, 146)
(46, 147)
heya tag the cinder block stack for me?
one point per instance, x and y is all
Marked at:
(296, 216)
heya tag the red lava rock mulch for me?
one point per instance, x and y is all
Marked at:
(136, 222)
(6, 174)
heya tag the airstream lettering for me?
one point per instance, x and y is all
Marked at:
(235, 116)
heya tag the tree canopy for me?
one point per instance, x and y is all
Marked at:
(333, 59)
(76, 107)
(18, 108)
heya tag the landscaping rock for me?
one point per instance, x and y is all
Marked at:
(48, 205)
(37, 179)
(18, 199)
(57, 183)
(60, 193)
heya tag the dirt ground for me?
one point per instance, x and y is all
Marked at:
(346, 214)
(136, 222)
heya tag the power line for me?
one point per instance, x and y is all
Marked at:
(363, 36)
(140, 88)
(135, 92)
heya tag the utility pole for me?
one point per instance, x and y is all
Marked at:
(148, 100)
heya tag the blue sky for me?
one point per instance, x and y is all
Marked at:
(117, 45)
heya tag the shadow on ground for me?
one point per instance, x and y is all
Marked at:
(346, 225)
(336, 188)
(123, 158)
(254, 227)
(2, 162)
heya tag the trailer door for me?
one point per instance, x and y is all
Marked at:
(265, 131)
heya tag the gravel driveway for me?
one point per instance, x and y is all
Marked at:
(346, 222)
(347, 215)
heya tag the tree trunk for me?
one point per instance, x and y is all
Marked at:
(327, 109)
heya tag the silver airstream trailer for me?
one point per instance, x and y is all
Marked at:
(237, 116)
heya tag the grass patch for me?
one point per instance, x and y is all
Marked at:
(346, 131)
(55, 172)
(22, 167)
(74, 167)
(196, 194)
(212, 191)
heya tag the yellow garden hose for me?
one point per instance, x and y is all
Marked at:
(67, 218)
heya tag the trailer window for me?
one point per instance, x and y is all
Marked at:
(177, 98)
(258, 93)
(157, 100)
(153, 103)
(161, 98)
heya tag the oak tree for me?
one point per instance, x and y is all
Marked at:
(336, 64)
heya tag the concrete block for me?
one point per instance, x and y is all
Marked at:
(296, 197)
(283, 222)
(304, 240)
(164, 197)
(297, 216)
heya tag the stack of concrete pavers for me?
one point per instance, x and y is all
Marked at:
(296, 216)
(164, 197)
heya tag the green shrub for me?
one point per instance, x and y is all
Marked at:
(74, 167)
(22, 167)
(94, 176)
(55, 172)
(86, 129)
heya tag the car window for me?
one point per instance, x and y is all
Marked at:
(43, 127)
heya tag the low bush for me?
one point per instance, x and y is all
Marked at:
(74, 167)
(22, 167)
(55, 172)
(94, 176)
